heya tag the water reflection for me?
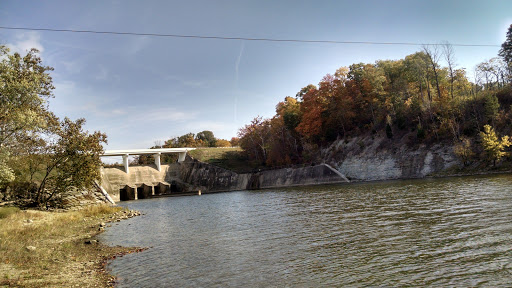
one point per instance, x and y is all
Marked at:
(443, 232)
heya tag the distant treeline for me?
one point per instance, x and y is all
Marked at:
(202, 139)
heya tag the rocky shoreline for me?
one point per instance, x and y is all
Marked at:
(102, 268)
(59, 248)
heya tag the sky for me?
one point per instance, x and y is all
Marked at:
(141, 90)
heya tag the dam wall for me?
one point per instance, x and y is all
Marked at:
(114, 179)
(194, 175)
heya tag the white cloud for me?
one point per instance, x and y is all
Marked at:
(26, 41)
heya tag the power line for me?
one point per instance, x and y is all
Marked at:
(241, 38)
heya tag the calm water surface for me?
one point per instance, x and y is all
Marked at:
(439, 233)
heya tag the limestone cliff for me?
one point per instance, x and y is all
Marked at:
(377, 158)
(211, 178)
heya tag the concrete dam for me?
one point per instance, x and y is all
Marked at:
(191, 176)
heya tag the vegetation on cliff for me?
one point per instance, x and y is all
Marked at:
(423, 98)
(41, 156)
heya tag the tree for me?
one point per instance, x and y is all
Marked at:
(222, 143)
(6, 172)
(506, 48)
(433, 57)
(34, 141)
(71, 160)
(341, 107)
(289, 110)
(449, 57)
(463, 150)
(25, 87)
(254, 139)
(304, 90)
(207, 138)
(186, 140)
(312, 106)
(491, 106)
(235, 141)
(493, 146)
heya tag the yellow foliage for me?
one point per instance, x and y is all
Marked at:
(493, 146)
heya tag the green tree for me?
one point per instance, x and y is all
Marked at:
(186, 140)
(506, 47)
(207, 138)
(71, 160)
(35, 146)
(491, 106)
(6, 172)
(493, 146)
(25, 87)
(289, 109)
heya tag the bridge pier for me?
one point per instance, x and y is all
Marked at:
(157, 160)
(125, 162)
(181, 156)
(157, 153)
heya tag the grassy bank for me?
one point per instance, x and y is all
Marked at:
(227, 158)
(56, 249)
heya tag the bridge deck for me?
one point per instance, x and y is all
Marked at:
(182, 152)
(145, 151)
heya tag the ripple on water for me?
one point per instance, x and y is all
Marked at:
(445, 232)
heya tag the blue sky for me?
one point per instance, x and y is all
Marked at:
(143, 89)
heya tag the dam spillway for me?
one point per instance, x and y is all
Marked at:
(191, 176)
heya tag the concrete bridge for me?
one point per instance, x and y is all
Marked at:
(182, 153)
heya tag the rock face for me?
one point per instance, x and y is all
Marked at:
(210, 178)
(81, 198)
(309, 175)
(367, 159)
(215, 179)
(193, 175)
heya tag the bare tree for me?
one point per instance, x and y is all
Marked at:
(449, 57)
(498, 68)
(433, 56)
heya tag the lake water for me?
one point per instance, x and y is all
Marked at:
(439, 233)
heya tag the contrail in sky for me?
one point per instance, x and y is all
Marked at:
(236, 76)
